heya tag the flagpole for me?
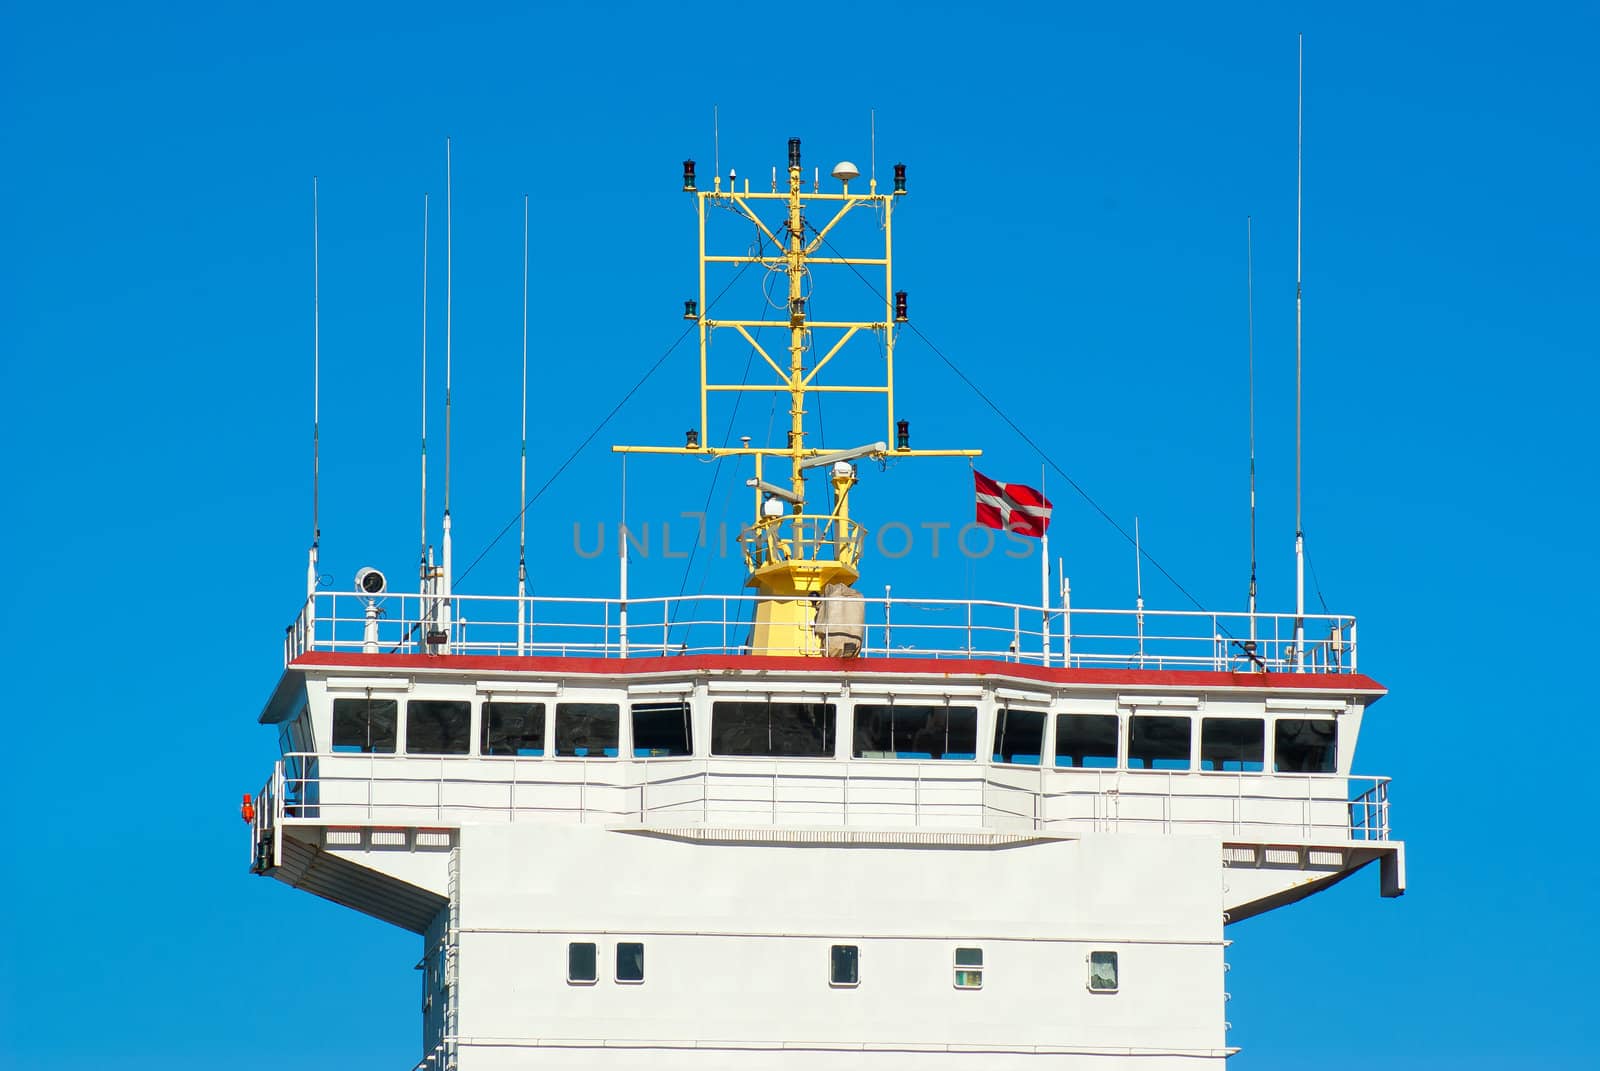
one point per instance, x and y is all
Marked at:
(1044, 576)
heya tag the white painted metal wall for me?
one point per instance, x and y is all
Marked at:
(737, 940)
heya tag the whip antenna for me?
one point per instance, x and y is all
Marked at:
(522, 494)
(1299, 527)
(448, 247)
(443, 586)
(316, 390)
(424, 553)
(1250, 314)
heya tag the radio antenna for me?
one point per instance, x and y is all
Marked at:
(522, 493)
(424, 552)
(1250, 307)
(446, 579)
(716, 143)
(872, 121)
(1138, 588)
(316, 390)
(1299, 527)
(448, 248)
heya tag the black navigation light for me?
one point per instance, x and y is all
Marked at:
(691, 439)
(900, 307)
(899, 177)
(902, 435)
(691, 310)
(688, 176)
(794, 152)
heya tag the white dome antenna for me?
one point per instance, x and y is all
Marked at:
(844, 171)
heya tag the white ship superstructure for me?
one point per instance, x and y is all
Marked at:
(801, 827)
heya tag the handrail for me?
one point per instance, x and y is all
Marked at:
(360, 790)
(926, 628)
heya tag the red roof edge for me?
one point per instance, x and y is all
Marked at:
(846, 667)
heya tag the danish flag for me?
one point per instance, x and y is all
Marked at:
(1011, 506)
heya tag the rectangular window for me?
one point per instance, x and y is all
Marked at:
(586, 729)
(969, 968)
(845, 966)
(915, 732)
(1102, 972)
(581, 963)
(630, 962)
(366, 725)
(778, 730)
(1087, 740)
(513, 728)
(1232, 743)
(1305, 745)
(661, 729)
(1018, 736)
(1158, 742)
(438, 727)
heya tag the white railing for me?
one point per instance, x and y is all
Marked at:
(413, 791)
(926, 628)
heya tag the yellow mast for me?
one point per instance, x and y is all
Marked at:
(793, 555)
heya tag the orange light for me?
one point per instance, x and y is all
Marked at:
(247, 809)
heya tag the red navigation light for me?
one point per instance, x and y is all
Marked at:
(902, 435)
(247, 809)
(900, 307)
(899, 178)
(688, 176)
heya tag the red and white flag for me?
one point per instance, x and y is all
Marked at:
(1011, 506)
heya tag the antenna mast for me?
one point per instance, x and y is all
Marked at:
(424, 551)
(1138, 588)
(522, 494)
(446, 578)
(1250, 307)
(316, 391)
(1299, 527)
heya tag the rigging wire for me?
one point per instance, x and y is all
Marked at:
(716, 475)
(1025, 437)
(598, 428)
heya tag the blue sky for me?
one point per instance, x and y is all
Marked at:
(1074, 241)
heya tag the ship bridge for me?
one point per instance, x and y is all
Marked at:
(963, 719)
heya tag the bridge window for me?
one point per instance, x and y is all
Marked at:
(844, 968)
(661, 729)
(438, 727)
(969, 968)
(1087, 740)
(916, 732)
(1103, 972)
(1018, 736)
(1232, 743)
(780, 730)
(586, 729)
(630, 962)
(581, 963)
(1305, 745)
(365, 725)
(513, 728)
(1158, 742)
